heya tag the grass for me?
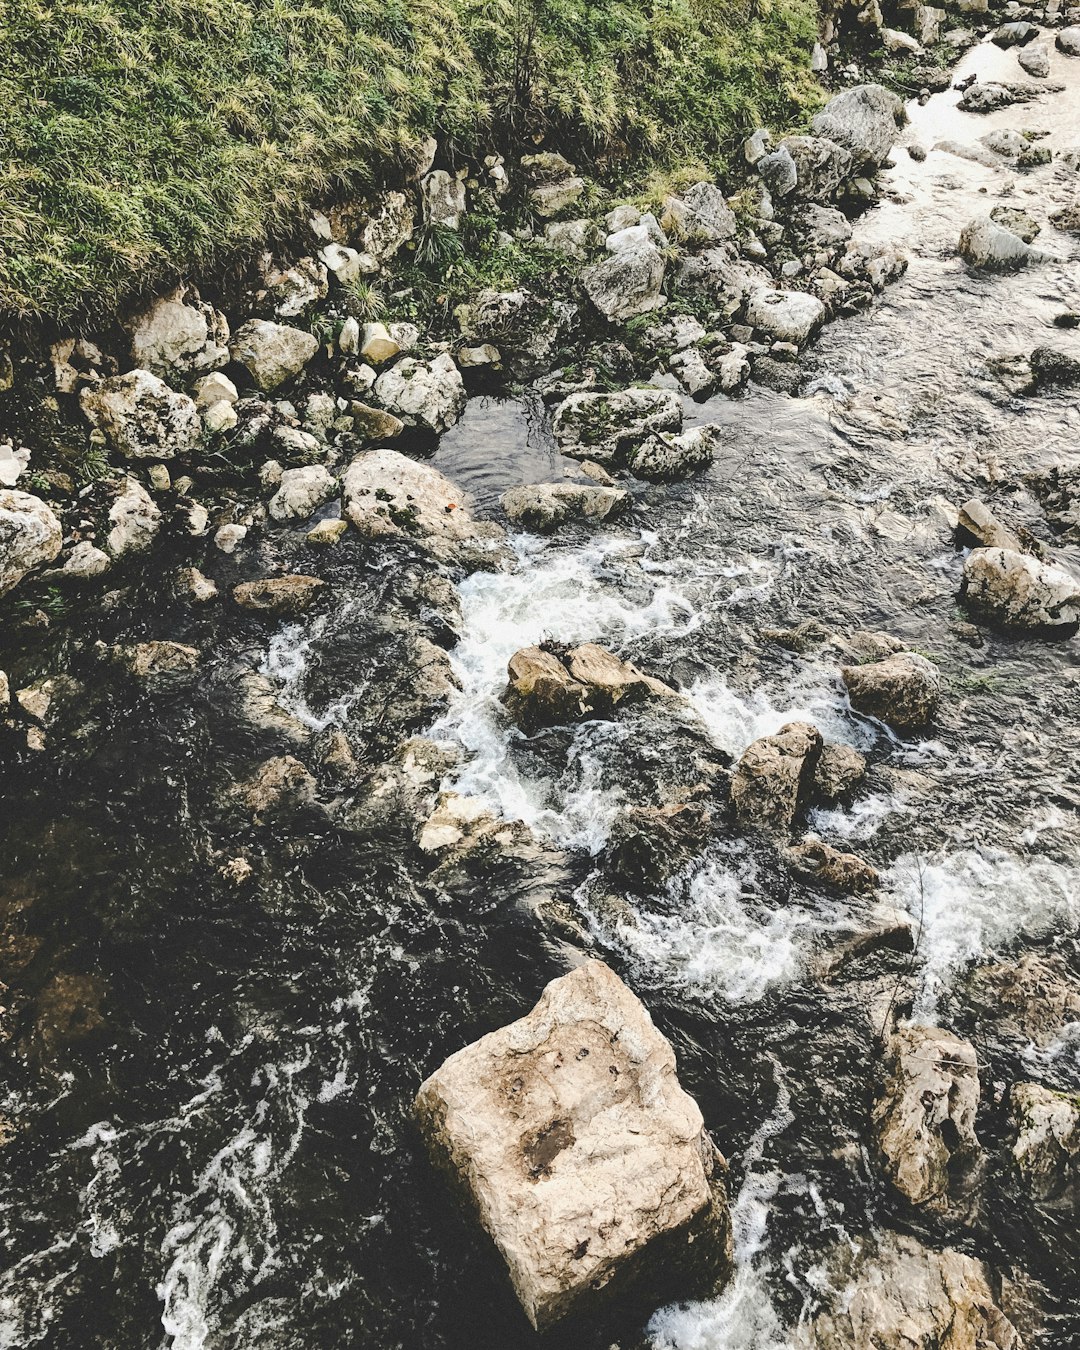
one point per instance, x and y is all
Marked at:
(141, 141)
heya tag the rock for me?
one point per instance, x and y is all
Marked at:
(667, 456)
(583, 1159)
(924, 1117)
(896, 1294)
(373, 424)
(141, 417)
(977, 520)
(549, 199)
(1031, 999)
(865, 121)
(228, 538)
(774, 777)
(648, 844)
(1018, 591)
(901, 691)
(700, 216)
(1067, 218)
(219, 418)
(778, 172)
(214, 388)
(1068, 41)
(156, 661)
(599, 426)
(896, 42)
(575, 239)
(543, 507)
(388, 495)
(85, 562)
(389, 227)
(626, 284)
(989, 97)
(1014, 35)
(281, 784)
(1035, 60)
(466, 823)
(13, 463)
(423, 394)
(443, 199)
(272, 353)
(883, 930)
(551, 689)
(839, 770)
(73, 361)
(821, 862)
(1019, 222)
(191, 585)
(526, 328)
(646, 231)
(786, 316)
(1047, 1147)
(288, 292)
(346, 265)
(376, 345)
(1051, 368)
(30, 535)
(327, 532)
(179, 336)
(695, 376)
(486, 354)
(302, 492)
(734, 368)
(134, 519)
(280, 596)
(820, 167)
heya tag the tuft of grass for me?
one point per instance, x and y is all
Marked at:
(144, 141)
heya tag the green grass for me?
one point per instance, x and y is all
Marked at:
(143, 140)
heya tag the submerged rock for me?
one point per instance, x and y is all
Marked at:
(896, 1294)
(141, 417)
(30, 534)
(279, 785)
(157, 661)
(649, 843)
(1052, 368)
(818, 861)
(543, 507)
(1047, 1147)
(388, 495)
(581, 1156)
(901, 691)
(279, 596)
(1031, 999)
(774, 778)
(924, 1117)
(1018, 591)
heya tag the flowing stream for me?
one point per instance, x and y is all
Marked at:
(233, 1167)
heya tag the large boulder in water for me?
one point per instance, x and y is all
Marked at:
(896, 1294)
(427, 394)
(1047, 1147)
(30, 535)
(774, 777)
(986, 244)
(1019, 591)
(924, 1117)
(864, 120)
(543, 507)
(550, 687)
(583, 1159)
(786, 316)
(599, 426)
(388, 495)
(902, 690)
(669, 456)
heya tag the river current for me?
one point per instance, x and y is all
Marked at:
(231, 1166)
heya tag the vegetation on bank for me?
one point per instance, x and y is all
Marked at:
(140, 140)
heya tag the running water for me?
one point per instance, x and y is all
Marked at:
(232, 1165)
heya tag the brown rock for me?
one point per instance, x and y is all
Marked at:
(839, 770)
(279, 596)
(649, 843)
(151, 660)
(902, 690)
(775, 775)
(279, 784)
(821, 862)
(585, 1162)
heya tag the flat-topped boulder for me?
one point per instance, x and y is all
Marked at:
(584, 1160)
(543, 507)
(901, 690)
(600, 426)
(284, 596)
(1018, 591)
(389, 495)
(774, 778)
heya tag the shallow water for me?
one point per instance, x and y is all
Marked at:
(230, 1165)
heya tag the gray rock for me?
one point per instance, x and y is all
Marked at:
(423, 394)
(786, 316)
(667, 456)
(141, 417)
(443, 199)
(575, 239)
(301, 492)
(1035, 60)
(1019, 222)
(864, 120)
(627, 284)
(695, 375)
(778, 172)
(700, 216)
(590, 1180)
(821, 166)
(1018, 591)
(1050, 367)
(1047, 1147)
(272, 353)
(976, 519)
(30, 535)
(543, 507)
(987, 245)
(598, 426)
(85, 562)
(1068, 41)
(134, 521)
(1015, 34)
(178, 335)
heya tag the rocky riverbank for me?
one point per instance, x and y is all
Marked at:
(298, 686)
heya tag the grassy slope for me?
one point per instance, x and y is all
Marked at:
(142, 137)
